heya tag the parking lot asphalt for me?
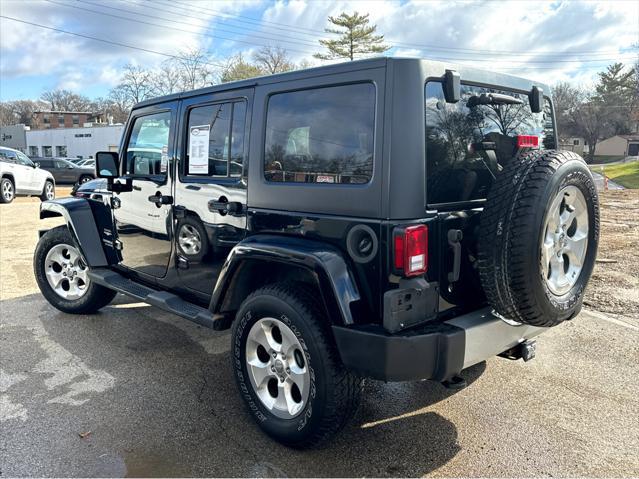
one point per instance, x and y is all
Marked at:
(134, 391)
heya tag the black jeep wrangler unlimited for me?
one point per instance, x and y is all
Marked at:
(397, 219)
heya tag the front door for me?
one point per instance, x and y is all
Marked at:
(211, 194)
(142, 216)
(30, 174)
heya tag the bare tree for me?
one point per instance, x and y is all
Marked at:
(273, 60)
(7, 116)
(168, 79)
(65, 100)
(194, 68)
(19, 111)
(116, 106)
(136, 83)
(590, 121)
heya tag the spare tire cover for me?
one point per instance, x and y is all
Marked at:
(538, 237)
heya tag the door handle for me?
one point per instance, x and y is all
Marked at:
(159, 199)
(137, 188)
(223, 207)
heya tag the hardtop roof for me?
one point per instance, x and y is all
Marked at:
(343, 67)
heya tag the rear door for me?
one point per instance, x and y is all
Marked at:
(142, 216)
(66, 172)
(211, 189)
(467, 144)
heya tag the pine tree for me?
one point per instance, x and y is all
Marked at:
(616, 92)
(358, 38)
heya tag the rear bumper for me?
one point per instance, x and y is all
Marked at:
(433, 351)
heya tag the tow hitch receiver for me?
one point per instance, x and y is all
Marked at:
(524, 350)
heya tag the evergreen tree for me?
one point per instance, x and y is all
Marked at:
(357, 38)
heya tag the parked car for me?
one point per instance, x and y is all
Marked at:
(392, 219)
(88, 163)
(75, 161)
(65, 171)
(93, 189)
(19, 176)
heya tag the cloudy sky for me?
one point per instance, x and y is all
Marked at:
(549, 41)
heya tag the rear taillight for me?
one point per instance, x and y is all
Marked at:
(411, 250)
(527, 141)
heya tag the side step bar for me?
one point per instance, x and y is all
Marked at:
(162, 299)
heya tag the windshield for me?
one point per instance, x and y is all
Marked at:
(469, 142)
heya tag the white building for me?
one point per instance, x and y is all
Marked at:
(73, 142)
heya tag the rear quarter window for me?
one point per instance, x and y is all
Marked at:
(321, 135)
(468, 144)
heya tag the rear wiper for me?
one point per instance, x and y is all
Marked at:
(492, 99)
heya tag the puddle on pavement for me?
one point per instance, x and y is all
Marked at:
(154, 465)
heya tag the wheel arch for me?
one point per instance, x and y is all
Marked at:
(78, 216)
(10, 177)
(264, 259)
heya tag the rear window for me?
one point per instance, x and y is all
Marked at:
(468, 143)
(322, 135)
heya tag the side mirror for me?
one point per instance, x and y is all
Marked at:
(36, 165)
(536, 98)
(452, 86)
(106, 164)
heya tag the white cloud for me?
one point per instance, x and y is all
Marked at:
(461, 32)
(468, 32)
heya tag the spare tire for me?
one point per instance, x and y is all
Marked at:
(538, 237)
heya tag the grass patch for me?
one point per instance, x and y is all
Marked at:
(626, 174)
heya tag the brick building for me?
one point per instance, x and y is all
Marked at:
(44, 120)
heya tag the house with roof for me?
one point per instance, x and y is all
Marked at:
(619, 145)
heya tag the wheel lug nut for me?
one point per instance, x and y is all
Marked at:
(288, 370)
(282, 379)
(274, 354)
(273, 368)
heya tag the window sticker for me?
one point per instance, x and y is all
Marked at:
(199, 150)
(164, 160)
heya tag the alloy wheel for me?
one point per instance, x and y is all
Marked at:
(565, 240)
(66, 272)
(49, 191)
(7, 191)
(277, 368)
(189, 240)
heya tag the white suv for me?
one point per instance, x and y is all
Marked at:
(19, 176)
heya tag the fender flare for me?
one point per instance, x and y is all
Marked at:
(79, 218)
(326, 262)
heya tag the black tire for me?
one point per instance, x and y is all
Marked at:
(94, 298)
(196, 224)
(47, 184)
(7, 190)
(512, 230)
(335, 391)
(84, 178)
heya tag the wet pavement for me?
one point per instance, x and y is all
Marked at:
(599, 181)
(153, 395)
(133, 391)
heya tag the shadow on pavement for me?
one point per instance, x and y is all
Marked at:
(173, 409)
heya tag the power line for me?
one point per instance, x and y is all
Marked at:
(252, 43)
(89, 37)
(413, 45)
(243, 23)
(177, 21)
(178, 57)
